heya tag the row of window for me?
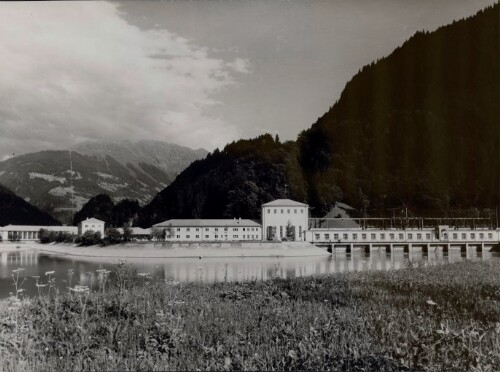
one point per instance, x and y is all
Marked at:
(88, 226)
(285, 210)
(272, 231)
(23, 234)
(217, 229)
(244, 237)
(400, 236)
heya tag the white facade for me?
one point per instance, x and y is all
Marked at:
(361, 236)
(30, 233)
(211, 230)
(279, 214)
(91, 224)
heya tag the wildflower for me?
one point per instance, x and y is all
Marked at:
(143, 274)
(20, 290)
(80, 289)
(50, 273)
(227, 362)
(432, 303)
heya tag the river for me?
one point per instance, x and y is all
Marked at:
(37, 263)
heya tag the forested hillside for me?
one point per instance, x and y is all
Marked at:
(114, 215)
(16, 211)
(418, 128)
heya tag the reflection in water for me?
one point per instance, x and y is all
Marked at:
(221, 269)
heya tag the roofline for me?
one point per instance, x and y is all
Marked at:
(252, 224)
(296, 203)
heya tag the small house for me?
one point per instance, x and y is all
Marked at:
(91, 224)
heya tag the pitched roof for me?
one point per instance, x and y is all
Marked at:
(284, 203)
(207, 223)
(92, 220)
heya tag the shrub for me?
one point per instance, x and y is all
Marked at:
(63, 237)
(113, 236)
(127, 233)
(45, 236)
(90, 238)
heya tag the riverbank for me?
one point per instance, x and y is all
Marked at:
(435, 318)
(177, 250)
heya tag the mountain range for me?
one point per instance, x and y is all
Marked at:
(61, 182)
(418, 128)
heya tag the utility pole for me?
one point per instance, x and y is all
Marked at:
(71, 182)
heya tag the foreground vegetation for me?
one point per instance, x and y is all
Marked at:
(433, 318)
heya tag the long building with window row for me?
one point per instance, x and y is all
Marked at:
(285, 219)
(210, 230)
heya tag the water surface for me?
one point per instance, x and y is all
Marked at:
(214, 269)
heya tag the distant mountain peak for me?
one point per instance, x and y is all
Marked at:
(121, 168)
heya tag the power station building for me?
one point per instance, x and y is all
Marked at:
(288, 220)
(285, 219)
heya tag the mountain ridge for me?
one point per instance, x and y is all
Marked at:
(439, 89)
(45, 178)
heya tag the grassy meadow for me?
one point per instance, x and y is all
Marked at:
(419, 318)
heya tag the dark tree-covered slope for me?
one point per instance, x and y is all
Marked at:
(16, 211)
(102, 207)
(418, 128)
(230, 183)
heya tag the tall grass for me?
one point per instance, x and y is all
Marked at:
(435, 318)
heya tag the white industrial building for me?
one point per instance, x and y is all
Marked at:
(30, 233)
(91, 224)
(210, 230)
(281, 215)
(285, 219)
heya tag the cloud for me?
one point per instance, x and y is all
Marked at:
(240, 65)
(77, 70)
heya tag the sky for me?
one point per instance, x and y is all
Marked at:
(196, 73)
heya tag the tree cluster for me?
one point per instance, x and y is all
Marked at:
(45, 236)
(103, 208)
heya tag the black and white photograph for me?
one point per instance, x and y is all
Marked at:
(250, 185)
